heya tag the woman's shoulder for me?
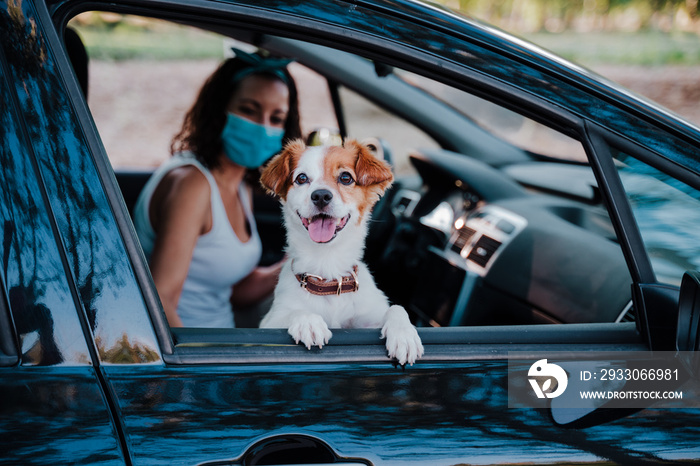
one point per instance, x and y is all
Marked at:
(184, 170)
(183, 192)
(186, 181)
(184, 185)
(187, 174)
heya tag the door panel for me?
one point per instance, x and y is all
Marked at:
(56, 415)
(432, 413)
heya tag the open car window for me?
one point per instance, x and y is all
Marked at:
(488, 222)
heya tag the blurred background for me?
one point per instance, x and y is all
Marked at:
(599, 32)
(650, 47)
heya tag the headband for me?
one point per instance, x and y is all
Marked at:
(259, 65)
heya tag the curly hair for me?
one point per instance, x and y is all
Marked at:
(204, 122)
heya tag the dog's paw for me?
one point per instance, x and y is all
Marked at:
(311, 330)
(402, 340)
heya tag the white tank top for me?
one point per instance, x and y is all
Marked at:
(219, 260)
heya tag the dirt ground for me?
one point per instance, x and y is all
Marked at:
(136, 122)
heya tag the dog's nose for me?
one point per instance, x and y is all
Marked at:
(321, 198)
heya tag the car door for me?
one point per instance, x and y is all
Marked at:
(53, 397)
(250, 396)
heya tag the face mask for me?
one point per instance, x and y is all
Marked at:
(249, 144)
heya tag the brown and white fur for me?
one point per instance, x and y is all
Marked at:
(327, 193)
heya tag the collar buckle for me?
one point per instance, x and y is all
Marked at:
(304, 279)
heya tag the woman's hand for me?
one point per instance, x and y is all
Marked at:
(259, 284)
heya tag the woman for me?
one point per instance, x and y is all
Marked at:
(194, 216)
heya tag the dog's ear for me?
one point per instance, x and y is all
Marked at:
(276, 177)
(370, 170)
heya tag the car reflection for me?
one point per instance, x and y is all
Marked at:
(52, 147)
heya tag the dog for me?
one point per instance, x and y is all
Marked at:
(327, 194)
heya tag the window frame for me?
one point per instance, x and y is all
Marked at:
(442, 345)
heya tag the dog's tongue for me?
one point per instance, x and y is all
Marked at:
(322, 229)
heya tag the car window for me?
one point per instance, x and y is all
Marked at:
(497, 240)
(668, 215)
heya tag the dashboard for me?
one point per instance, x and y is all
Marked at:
(474, 238)
(470, 245)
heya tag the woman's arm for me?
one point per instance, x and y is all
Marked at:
(180, 212)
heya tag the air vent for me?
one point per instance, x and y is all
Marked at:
(463, 236)
(483, 250)
(404, 202)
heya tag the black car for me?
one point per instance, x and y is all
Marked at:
(537, 210)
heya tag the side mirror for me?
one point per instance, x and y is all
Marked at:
(688, 329)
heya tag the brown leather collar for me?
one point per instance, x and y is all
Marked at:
(322, 287)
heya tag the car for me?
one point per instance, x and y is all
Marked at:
(539, 211)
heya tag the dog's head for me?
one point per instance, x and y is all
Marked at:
(330, 189)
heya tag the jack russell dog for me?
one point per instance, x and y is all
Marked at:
(327, 194)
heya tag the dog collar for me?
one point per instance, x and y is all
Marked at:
(322, 287)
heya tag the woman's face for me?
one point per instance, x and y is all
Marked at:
(261, 99)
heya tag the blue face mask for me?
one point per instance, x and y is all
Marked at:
(249, 144)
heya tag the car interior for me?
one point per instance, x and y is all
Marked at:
(494, 218)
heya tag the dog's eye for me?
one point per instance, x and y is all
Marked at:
(346, 179)
(301, 178)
